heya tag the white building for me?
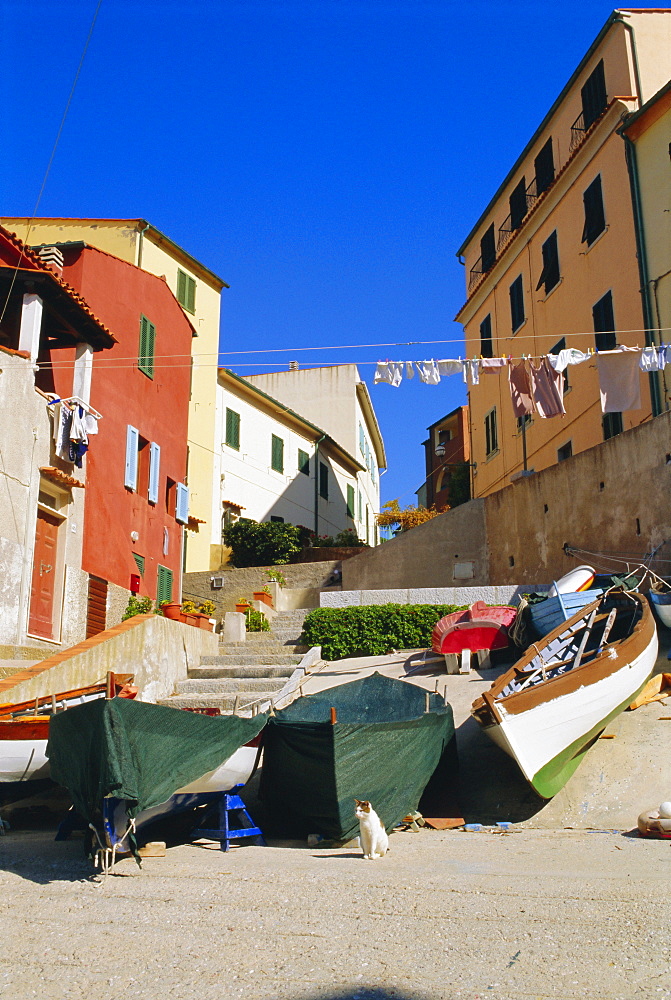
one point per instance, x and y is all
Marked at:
(276, 464)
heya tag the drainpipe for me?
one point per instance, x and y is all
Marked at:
(140, 242)
(634, 56)
(317, 483)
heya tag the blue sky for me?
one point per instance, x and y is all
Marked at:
(325, 157)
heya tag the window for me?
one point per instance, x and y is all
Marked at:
(303, 462)
(232, 429)
(604, 324)
(186, 291)
(132, 444)
(182, 503)
(277, 454)
(488, 249)
(323, 481)
(486, 346)
(595, 219)
(163, 585)
(170, 497)
(561, 346)
(142, 466)
(550, 273)
(565, 451)
(594, 95)
(518, 204)
(276, 520)
(362, 440)
(145, 361)
(360, 507)
(517, 303)
(544, 168)
(523, 422)
(154, 472)
(139, 562)
(491, 436)
(350, 501)
(612, 425)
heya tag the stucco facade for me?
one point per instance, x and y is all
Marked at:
(566, 202)
(141, 244)
(337, 400)
(446, 449)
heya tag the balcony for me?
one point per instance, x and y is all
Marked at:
(578, 131)
(475, 273)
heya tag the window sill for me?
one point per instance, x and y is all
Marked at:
(553, 289)
(597, 240)
(492, 454)
(520, 327)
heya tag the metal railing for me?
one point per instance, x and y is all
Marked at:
(578, 132)
(475, 273)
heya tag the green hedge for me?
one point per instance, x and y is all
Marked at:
(262, 544)
(372, 630)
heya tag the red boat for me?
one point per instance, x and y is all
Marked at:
(478, 627)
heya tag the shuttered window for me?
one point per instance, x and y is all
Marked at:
(612, 425)
(491, 434)
(488, 249)
(517, 303)
(154, 471)
(594, 96)
(604, 323)
(145, 361)
(323, 481)
(303, 462)
(186, 291)
(96, 609)
(595, 218)
(232, 429)
(350, 501)
(182, 504)
(139, 562)
(277, 454)
(163, 585)
(544, 168)
(550, 274)
(132, 443)
(360, 507)
(362, 440)
(486, 345)
(518, 204)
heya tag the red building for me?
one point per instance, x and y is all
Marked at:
(136, 499)
(447, 461)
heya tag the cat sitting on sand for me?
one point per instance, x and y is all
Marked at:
(374, 840)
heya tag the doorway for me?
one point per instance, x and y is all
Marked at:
(43, 585)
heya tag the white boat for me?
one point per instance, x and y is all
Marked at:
(551, 706)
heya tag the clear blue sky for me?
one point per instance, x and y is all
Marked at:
(325, 157)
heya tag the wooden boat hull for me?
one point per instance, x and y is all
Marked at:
(22, 759)
(548, 614)
(547, 731)
(478, 627)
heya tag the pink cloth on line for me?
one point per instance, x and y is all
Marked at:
(489, 365)
(547, 389)
(520, 390)
(619, 379)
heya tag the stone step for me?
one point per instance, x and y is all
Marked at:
(255, 670)
(228, 685)
(225, 702)
(240, 670)
(236, 659)
(265, 639)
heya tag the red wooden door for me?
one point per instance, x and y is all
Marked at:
(41, 618)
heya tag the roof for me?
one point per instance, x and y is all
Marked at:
(49, 472)
(613, 19)
(321, 435)
(634, 116)
(142, 226)
(28, 263)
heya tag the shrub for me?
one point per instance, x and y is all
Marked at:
(276, 577)
(256, 622)
(372, 630)
(262, 544)
(348, 538)
(326, 541)
(139, 606)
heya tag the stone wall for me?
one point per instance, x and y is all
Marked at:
(460, 596)
(239, 583)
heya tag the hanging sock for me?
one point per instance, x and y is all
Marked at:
(409, 370)
(619, 379)
(448, 367)
(569, 356)
(428, 372)
(492, 365)
(520, 390)
(547, 389)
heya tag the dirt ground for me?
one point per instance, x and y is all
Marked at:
(526, 914)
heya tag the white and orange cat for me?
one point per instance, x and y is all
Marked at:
(374, 839)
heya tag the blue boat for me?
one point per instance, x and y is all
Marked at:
(548, 614)
(661, 605)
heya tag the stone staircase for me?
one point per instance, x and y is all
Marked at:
(243, 673)
(287, 627)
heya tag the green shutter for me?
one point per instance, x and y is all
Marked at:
(139, 562)
(277, 456)
(233, 429)
(303, 462)
(164, 585)
(350, 501)
(145, 360)
(186, 291)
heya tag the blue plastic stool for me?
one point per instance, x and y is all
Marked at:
(226, 803)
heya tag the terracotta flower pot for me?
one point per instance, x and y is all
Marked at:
(172, 611)
(192, 620)
(260, 595)
(204, 622)
(242, 608)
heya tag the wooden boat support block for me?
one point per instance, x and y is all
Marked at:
(465, 665)
(451, 663)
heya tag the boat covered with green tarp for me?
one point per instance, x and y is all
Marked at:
(389, 738)
(143, 753)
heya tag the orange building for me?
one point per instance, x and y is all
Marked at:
(446, 452)
(552, 261)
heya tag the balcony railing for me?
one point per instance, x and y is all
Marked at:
(578, 132)
(475, 273)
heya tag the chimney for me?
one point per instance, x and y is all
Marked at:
(293, 366)
(52, 257)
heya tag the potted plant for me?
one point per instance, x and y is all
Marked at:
(173, 611)
(242, 605)
(208, 610)
(275, 576)
(264, 595)
(190, 613)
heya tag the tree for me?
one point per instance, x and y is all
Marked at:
(392, 516)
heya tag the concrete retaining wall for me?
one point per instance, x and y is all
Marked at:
(157, 651)
(437, 595)
(308, 578)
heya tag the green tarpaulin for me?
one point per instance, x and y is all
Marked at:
(137, 751)
(384, 747)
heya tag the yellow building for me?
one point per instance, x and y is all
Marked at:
(199, 292)
(552, 261)
(647, 133)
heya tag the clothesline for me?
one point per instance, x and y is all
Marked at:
(539, 388)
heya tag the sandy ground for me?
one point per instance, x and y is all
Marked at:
(528, 914)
